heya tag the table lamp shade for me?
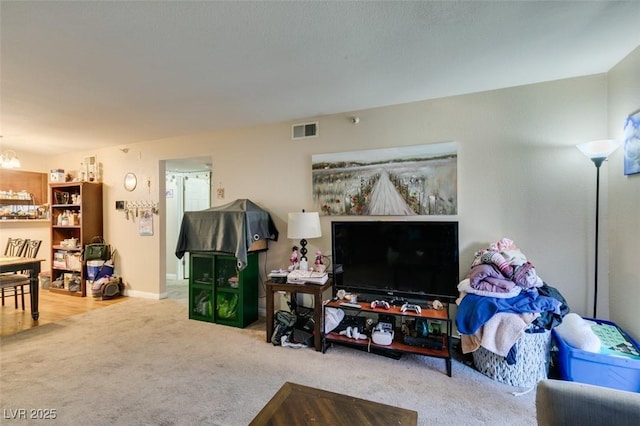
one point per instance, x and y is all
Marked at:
(304, 225)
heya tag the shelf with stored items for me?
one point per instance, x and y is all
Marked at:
(221, 293)
(436, 323)
(76, 217)
(22, 209)
(15, 202)
(23, 195)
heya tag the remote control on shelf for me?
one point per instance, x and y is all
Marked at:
(350, 305)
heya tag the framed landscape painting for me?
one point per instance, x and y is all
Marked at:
(402, 181)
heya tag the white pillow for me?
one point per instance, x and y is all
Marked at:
(578, 333)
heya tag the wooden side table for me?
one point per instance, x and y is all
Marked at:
(316, 290)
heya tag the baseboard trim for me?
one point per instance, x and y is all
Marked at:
(144, 294)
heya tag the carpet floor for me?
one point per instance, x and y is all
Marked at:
(143, 362)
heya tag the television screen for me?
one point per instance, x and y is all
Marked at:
(396, 258)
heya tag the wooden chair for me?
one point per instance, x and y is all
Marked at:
(30, 249)
(14, 247)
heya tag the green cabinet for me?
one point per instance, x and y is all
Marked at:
(220, 293)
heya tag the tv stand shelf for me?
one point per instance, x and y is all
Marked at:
(397, 346)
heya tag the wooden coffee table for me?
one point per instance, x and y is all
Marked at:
(296, 404)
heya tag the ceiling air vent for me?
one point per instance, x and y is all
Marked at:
(304, 130)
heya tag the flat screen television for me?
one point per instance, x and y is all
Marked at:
(396, 259)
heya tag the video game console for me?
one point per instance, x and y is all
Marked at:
(278, 276)
(382, 334)
(423, 342)
(411, 307)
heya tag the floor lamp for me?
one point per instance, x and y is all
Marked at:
(597, 151)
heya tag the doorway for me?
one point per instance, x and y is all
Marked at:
(188, 188)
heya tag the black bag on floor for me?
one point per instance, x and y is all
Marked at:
(283, 326)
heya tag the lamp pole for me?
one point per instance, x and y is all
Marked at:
(598, 162)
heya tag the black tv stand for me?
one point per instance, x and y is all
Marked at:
(398, 346)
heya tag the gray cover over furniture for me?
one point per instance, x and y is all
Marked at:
(231, 228)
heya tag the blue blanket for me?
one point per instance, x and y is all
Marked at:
(475, 310)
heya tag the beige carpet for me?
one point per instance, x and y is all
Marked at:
(143, 362)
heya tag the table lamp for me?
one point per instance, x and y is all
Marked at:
(304, 225)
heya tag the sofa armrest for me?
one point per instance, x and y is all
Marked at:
(571, 403)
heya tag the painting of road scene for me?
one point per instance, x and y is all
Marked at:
(403, 181)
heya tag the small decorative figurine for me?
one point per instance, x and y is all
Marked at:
(293, 259)
(320, 266)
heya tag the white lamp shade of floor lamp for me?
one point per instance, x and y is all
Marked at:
(598, 150)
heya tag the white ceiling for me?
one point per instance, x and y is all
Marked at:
(93, 74)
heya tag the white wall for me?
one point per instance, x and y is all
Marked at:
(624, 201)
(520, 176)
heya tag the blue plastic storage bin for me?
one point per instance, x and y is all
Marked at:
(601, 369)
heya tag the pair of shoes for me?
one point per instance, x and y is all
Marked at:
(284, 341)
(280, 332)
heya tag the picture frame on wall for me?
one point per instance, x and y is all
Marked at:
(145, 225)
(632, 143)
(398, 181)
(91, 168)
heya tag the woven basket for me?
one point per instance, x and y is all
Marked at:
(532, 361)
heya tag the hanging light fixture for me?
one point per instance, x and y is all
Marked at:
(9, 160)
(598, 151)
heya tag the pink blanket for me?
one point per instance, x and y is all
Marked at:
(498, 334)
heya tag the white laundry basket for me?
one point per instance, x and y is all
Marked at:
(531, 366)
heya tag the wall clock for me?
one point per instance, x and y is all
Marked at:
(130, 181)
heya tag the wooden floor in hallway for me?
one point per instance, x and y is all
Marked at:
(52, 307)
